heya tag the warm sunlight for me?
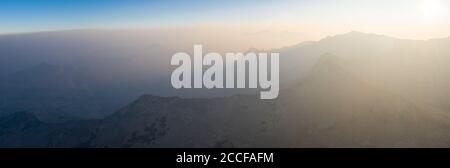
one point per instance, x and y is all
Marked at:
(431, 8)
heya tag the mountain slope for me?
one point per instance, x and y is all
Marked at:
(23, 129)
(174, 122)
(334, 108)
(329, 108)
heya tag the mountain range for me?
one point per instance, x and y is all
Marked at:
(350, 90)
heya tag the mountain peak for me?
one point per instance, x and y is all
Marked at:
(151, 99)
(331, 69)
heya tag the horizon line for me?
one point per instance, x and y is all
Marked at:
(163, 27)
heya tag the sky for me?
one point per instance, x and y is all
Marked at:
(283, 21)
(32, 15)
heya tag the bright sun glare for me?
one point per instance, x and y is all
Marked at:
(431, 8)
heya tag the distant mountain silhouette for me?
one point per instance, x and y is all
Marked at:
(414, 69)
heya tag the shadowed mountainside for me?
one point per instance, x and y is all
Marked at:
(331, 107)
